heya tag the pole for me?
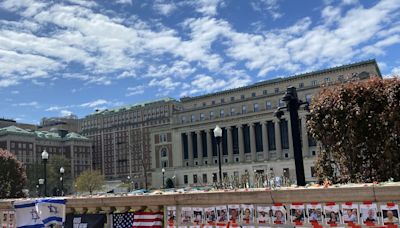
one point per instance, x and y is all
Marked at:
(45, 177)
(219, 160)
(293, 106)
(163, 182)
(62, 185)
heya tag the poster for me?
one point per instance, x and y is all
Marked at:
(234, 213)
(368, 212)
(263, 215)
(197, 215)
(332, 215)
(171, 215)
(222, 215)
(314, 213)
(350, 213)
(247, 214)
(390, 213)
(297, 213)
(211, 215)
(186, 215)
(278, 214)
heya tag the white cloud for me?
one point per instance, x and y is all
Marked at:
(167, 83)
(15, 92)
(124, 2)
(270, 6)
(164, 8)
(95, 103)
(206, 7)
(180, 69)
(34, 104)
(396, 71)
(131, 91)
(64, 113)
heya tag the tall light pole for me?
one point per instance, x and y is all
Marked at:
(292, 105)
(41, 182)
(129, 184)
(45, 157)
(62, 180)
(218, 136)
(163, 177)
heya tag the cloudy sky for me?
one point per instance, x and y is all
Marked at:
(74, 56)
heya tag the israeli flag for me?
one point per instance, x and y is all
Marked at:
(39, 213)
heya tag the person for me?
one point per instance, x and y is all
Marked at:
(197, 217)
(332, 218)
(350, 215)
(371, 215)
(279, 217)
(233, 212)
(171, 217)
(262, 217)
(222, 216)
(390, 217)
(315, 215)
(298, 215)
(211, 216)
(247, 215)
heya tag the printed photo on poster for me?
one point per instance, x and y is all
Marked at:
(234, 213)
(297, 213)
(278, 214)
(171, 215)
(222, 215)
(5, 217)
(186, 215)
(314, 213)
(350, 213)
(197, 215)
(369, 213)
(247, 214)
(390, 213)
(211, 215)
(263, 215)
(332, 215)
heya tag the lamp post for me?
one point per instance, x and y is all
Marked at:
(163, 177)
(62, 180)
(292, 105)
(129, 184)
(218, 136)
(41, 182)
(45, 157)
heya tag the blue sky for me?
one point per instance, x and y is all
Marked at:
(75, 56)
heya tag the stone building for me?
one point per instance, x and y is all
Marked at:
(122, 141)
(68, 123)
(28, 145)
(253, 141)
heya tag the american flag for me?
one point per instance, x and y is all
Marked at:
(148, 220)
(122, 220)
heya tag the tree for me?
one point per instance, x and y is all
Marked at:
(169, 183)
(12, 176)
(89, 181)
(358, 124)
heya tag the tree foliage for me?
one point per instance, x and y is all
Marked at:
(12, 176)
(169, 183)
(358, 124)
(89, 181)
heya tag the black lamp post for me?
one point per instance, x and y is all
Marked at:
(163, 177)
(41, 182)
(45, 157)
(62, 180)
(218, 136)
(292, 105)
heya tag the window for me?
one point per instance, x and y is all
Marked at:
(255, 107)
(164, 152)
(194, 105)
(222, 113)
(314, 82)
(222, 100)
(164, 164)
(204, 178)
(185, 179)
(242, 97)
(163, 137)
(311, 141)
(194, 178)
(276, 90)
(232, 98)
(283, 124)
(301, 84)
(253, 94)
(265, 92)
(281, 103)
(213, 102)
(215, 177)
(309, 98)
(271, 135)
(244, 109)
(232, 111)
(268, 105)
(201, 116)
(193, 118)
(286, 172)
(204, 104)
(313, 172)
(327, 80)
(211, 114)
(183, 120)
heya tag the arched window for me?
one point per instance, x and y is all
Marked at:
(164, 152)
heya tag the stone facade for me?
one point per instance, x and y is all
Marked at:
(253, 141)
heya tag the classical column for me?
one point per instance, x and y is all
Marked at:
(199, 148)
(209, 147)
(230, 144)
(279, 152)
(190, 148)
(304, 137)
(253, 142)
(264, 140)
(241, 144)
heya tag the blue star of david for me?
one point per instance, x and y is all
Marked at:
(52, 209)
(35, 215)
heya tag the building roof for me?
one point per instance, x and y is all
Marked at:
(284, 79)
(130, 107)
(41, 134)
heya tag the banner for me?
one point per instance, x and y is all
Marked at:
(85, 221)
(39, 213)
(122, 220)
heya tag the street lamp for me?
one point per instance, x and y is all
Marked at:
(45, 157)
(163, 176)
(218, 136)
(62, 180)
(129, 184)
(292, 105)
(41, 182)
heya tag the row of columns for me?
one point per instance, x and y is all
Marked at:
(266, 152)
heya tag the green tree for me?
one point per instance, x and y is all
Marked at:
(169, 183)
(89, 181)
(12, 176)
(358, 124)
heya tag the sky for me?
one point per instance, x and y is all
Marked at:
(65, 57)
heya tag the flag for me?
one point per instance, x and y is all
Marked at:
(39, 213)
(148, 219)
(122, 220)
